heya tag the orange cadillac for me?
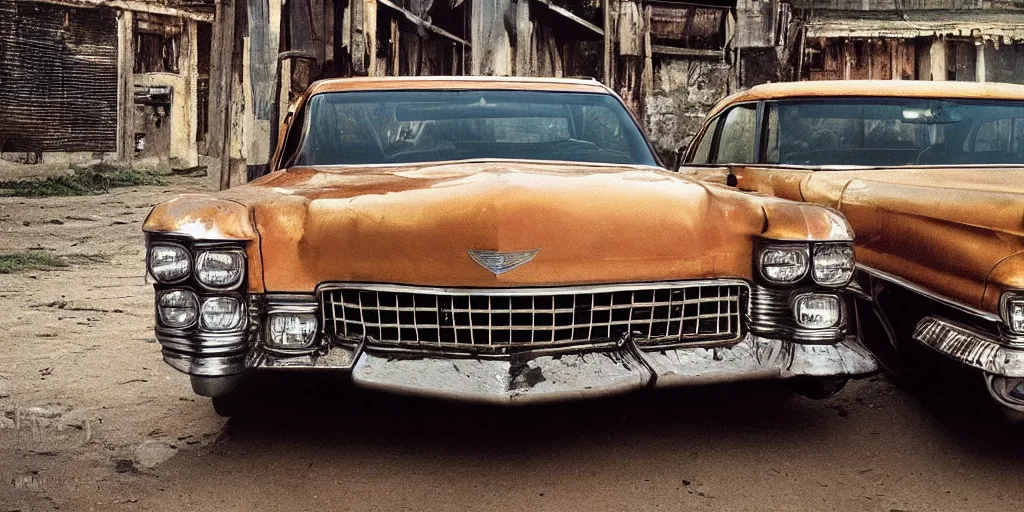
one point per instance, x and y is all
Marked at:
(495, 240)
(931, 176)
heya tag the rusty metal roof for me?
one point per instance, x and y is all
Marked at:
(974, 24)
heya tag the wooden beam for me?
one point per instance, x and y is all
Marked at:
(565, 13)
(131, 5)
(687, 52)
(416, 20)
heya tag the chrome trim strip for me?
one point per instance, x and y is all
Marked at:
(899, 281)
(205, 366)
(202, 343)
(969, 347)
(771, 314)
(537, 290)
(333, 358)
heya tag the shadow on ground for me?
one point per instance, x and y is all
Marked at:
(320, 411)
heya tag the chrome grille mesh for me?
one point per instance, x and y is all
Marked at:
(500, 320)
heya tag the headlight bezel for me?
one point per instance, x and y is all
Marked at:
(801, 248)
(242, 314)
(202, 253)
(840, 311)
(175, 245)
(161, 318)
(830, 245)
(1005, 303)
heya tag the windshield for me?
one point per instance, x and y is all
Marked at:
(893, 132)
(383, 127)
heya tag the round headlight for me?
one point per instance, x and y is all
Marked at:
(177, 308)
(169, 263)
(220, 314)
(782, 264)
(833, 264)
(817, 311)
(220, 269)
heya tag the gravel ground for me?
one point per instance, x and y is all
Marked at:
(91, 419)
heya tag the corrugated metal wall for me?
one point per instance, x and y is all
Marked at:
(58, 78)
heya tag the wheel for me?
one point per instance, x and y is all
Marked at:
(818, 388)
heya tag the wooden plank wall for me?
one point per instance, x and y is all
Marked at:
(59, 68)
(862, 59)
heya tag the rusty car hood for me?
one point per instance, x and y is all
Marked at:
(958, 231)
(414, 224)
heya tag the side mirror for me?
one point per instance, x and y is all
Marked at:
(681, 152)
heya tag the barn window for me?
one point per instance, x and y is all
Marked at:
(157, 44)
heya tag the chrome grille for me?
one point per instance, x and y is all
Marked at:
(504, 319)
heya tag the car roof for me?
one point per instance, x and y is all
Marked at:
(458, 83)
(877, 89)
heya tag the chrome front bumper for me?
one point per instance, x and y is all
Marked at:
(597, 374)
(568, 376)
(970, 346)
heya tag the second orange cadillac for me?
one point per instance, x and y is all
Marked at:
(495, 240)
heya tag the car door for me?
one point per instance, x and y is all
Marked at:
(725, 150)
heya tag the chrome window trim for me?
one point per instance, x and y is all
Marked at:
(899, 281)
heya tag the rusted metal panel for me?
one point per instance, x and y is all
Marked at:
(58, 66)
(693, 26)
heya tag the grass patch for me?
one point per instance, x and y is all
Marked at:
(42, 260)
(83, 181)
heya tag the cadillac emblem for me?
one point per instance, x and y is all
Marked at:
(501, 262)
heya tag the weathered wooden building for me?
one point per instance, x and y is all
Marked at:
(671, 61)
(965, 40)
(86, 79)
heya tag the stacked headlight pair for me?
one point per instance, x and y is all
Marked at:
(214, 271)
(823, 264)
(830, 264)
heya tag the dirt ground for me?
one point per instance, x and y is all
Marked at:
(92, 419)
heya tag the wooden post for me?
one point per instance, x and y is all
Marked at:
(396, 54)
(190, 74)
(607, 59)
(937, 60)
(220, 125)
(370, 33)
(125, 87)
(523, 46)
(979, 64)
